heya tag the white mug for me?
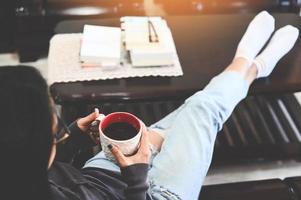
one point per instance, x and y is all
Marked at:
(127, 147)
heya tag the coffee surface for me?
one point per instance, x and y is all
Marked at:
(120, 131)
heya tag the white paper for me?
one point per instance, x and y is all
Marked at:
(100, 44)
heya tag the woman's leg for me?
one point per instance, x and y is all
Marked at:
(179, 169)
(186, 152)
(158, 130)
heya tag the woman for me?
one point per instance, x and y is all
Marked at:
(183, 140)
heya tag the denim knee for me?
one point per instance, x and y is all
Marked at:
(161, 193)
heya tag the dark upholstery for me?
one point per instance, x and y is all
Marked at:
(275, 189)
(227, 6)
(35, 20)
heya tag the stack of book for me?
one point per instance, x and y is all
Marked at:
(148, 41)
(141, 42)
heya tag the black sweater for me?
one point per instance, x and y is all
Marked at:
(67, 182)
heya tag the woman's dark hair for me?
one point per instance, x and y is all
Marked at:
(25, 133)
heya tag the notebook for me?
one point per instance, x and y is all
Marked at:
(100, 45)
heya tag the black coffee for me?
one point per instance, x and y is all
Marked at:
(120, 131)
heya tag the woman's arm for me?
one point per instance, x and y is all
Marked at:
(134, 168)
(136, 178)
(79, 139)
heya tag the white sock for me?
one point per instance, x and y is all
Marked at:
(257, 34)
(281, 43)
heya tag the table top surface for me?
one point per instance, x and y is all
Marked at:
(205, 45)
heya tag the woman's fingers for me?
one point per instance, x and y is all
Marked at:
(95, 137)
(121, 159)
(144, 141)
(84, 123)
(143, 155)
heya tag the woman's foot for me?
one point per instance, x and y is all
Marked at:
(257, 34)
(281, 43)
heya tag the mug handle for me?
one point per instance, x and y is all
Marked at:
(100, 117)
(94, 125)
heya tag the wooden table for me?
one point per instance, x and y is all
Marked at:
(205, 44)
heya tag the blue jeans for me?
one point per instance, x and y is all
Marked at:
(179, 169)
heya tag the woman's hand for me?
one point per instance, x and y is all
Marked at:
(84, 124)
(142, 156)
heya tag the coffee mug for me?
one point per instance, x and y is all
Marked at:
(122, 130)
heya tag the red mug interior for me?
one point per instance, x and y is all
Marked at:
(120, 117)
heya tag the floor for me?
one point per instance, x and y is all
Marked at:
(217, 175)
